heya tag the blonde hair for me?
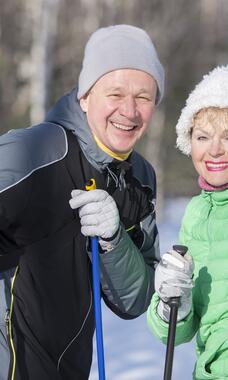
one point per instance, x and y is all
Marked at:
(218, 117)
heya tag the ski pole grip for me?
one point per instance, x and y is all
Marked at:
(181, 249)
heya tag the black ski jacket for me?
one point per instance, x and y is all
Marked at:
(51, 322)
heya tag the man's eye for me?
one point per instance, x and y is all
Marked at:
(145, 98)
(114, 95)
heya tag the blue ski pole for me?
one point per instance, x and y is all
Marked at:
(97, 297)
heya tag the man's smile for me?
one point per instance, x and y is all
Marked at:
(123, 127)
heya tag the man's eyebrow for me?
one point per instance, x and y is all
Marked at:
(113, 88)
(143, 90)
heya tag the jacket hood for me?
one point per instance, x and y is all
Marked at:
(68, 113)
(212, 91)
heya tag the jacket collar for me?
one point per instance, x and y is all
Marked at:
(216, 197)
(68, 113)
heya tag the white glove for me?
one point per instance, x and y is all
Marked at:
(98, 213)
(173, 278)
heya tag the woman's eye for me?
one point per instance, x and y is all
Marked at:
(201, 138)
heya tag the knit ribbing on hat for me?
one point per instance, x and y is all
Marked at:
(119, 47)
(212, 91)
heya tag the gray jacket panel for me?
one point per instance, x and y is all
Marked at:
(19, 156)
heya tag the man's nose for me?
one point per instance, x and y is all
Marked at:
(128, 107)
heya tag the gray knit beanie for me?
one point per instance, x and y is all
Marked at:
(119, 47)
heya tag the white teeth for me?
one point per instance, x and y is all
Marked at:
(212, 165)
(123, 127)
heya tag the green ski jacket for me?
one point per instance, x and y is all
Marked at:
(205, 231)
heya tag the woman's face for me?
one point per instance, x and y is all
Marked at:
(210, 152)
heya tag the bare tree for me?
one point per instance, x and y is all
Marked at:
(44, 15)
(14, 46)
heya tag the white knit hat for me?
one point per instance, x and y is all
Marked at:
(212, 91)
(119, 47)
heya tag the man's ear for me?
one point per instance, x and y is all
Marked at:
(84, 102)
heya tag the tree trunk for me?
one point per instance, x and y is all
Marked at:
(44, 14)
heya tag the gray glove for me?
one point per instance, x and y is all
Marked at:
(99, 216)
(173, 278)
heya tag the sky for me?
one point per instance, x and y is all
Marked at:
(130, 350)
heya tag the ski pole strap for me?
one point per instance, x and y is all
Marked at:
(91, 184)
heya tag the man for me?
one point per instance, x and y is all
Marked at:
(47, 217)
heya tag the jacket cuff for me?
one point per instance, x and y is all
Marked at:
(110, 243)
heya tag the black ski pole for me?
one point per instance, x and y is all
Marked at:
(174, 304)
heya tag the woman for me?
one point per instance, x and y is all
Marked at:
(202, 131)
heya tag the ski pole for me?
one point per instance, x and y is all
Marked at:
(91, 185)
(174, 304)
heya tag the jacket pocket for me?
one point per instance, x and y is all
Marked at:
(213, 362)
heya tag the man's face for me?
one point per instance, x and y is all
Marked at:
(119, 108)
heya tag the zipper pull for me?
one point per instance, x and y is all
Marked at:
(7, 319)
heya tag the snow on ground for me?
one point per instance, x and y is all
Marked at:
(131, 352)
